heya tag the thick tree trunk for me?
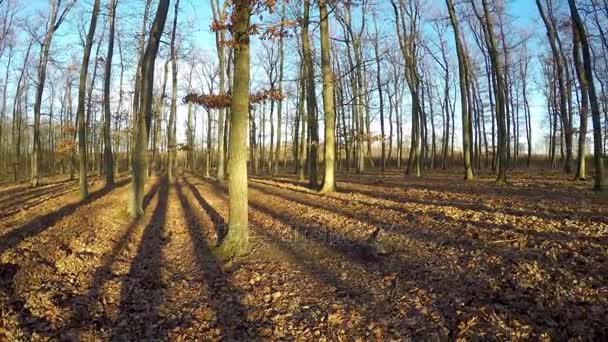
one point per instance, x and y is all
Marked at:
(329, 177)
(236, 241)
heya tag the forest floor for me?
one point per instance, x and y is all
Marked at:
(465, 260)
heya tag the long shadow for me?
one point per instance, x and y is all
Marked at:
(142, 289)
(386, 188)
(478, 292)
(295, 247)
(42, 223)
(19, 204)
(480, 190)
(28, 322)
(15, 199)
(83, 307)
(550, 216)
(26, 188)
(286, 193)
(221, 228)
(457, 240)
(231, 314)
(478, 288)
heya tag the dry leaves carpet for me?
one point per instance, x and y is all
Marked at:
(465, 260)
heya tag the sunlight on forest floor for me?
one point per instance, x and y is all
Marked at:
(464, 260)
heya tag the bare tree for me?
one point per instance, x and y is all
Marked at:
(57, 14)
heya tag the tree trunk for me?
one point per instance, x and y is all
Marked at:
(499, 93)
(109, 158)
(329, 178)
(140, 156)
(311, 99)
(82, 129)
(172, 144)
(587, 83)
(236, 241)
(463, 70)
(275, 169)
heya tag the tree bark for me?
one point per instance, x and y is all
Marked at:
(108, 156)
(465, 110)
(82, 128)
(329, 177)
(587, 83)
(311, 99)
(140, 156)
(236, 241)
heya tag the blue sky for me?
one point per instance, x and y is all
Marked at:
(198, 12)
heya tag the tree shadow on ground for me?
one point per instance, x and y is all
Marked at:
(307, 253)
(25, 196)
(29, 323)
(220, 226)
(25, 189)
(142, 290)
(39, 224)
(448, 184)
(456, 236)
(83, 308)
(225, 298)
(515, 300)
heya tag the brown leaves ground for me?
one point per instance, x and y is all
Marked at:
(466, 260)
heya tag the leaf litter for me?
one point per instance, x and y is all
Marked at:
(452, 260)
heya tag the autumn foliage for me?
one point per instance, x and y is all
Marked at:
(212, 101)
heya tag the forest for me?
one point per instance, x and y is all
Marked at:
(311, 170)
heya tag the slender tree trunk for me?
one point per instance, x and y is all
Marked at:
(275, 169)
(44, 57)
(109, 158)
(311, 100)
(463, 70)
(172, 146)
(500, 92)
(587, 84)
(82, 129)
(140, 157)
(561, 76)
(304, 120)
